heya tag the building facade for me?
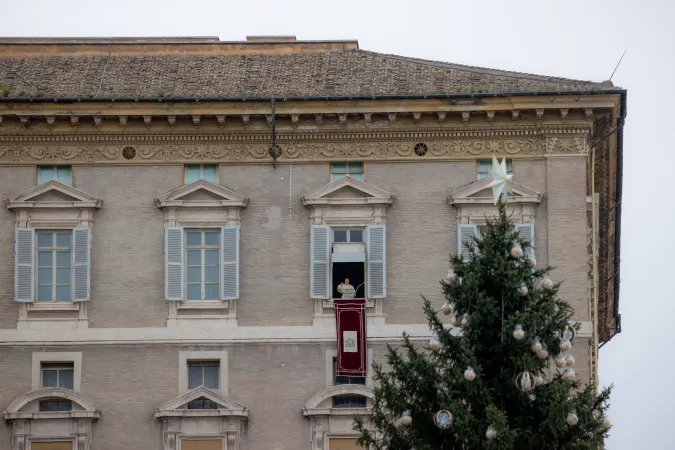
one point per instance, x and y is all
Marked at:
(179, 213)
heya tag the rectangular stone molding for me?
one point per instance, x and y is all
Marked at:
(51, 357)
(215, 355)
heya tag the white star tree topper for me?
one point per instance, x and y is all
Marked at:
(499, 179)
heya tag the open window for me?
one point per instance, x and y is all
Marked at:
(347, 240)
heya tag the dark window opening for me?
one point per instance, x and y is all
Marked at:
(55, 406)
(202, 403)
(355, 271)
(203, 373)
(57, 375)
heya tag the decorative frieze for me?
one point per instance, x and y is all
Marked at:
(242, 147)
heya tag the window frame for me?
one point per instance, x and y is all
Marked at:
(349, 233)
(360, 175)
(509, 167)
(54, 249)
(40, 358)
(202, 173)
(55, 173)
(184, 356)
(202, 249)
(204, 363)
(58, 367)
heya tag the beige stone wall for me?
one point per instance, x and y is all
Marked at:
(127, 382)
(127, 253)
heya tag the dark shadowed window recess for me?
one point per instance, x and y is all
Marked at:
(55, 406)
(202, 403)
(347, 401)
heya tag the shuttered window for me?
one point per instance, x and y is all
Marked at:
(319, 261)
(202, 264)
(376, 261)
(526, 232)
(465, 237)
(24, 265)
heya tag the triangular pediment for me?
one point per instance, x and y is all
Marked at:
(202, 193)
(347, 190)
(53, 194)
(480, 192)
(177, 405)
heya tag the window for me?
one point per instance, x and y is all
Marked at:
(203, 373)
(485, 165)
(62, 174)
(55, 406)
(194, 172)
(352, 169)
(344, 235)
(202, 264)
(347, 401)
(54, 250)
(57, 375)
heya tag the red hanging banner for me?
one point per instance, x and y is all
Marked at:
(350, 316)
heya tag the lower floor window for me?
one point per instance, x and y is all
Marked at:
(55, 406)
(349, 401)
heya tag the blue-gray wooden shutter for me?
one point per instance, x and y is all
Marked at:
(319, 279)
(526, 232)
(465, 236)
(376, 256)
(174, 267)
(81, 264)
(230, 260)
(24, 267)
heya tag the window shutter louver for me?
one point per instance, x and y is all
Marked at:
(319, 259)
(526, 232)
(465, 236)
(24, 250)
(230, 261)
(376, 257)
(81, 263)
(173, 255)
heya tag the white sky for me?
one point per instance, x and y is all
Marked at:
(576, 39)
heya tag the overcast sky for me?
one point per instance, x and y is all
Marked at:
(576, 39)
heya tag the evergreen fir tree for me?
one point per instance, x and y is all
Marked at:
(506, 379)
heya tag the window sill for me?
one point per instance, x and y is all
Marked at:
(204, 304)
(54, 306)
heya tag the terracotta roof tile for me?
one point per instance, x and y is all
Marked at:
(331, 73)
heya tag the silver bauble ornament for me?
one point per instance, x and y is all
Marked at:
(537, 347)
(435, 343)
(538, 380)
(490, 433)
(525, 381)
(565, 346)
(542, 354)
(517, 251)
(465, 321)
(572, 419)
(469, 374)
(446, 308)
(569, 375)
(522, 290)
(451, 277)
(531, 261)
(547, 284)
(569, 360)
(560, 361)
(518, 332)
(606, 424)
(453, 320)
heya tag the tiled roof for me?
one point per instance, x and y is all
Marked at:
(329, 73)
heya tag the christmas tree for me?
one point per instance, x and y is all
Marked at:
(505, 380)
